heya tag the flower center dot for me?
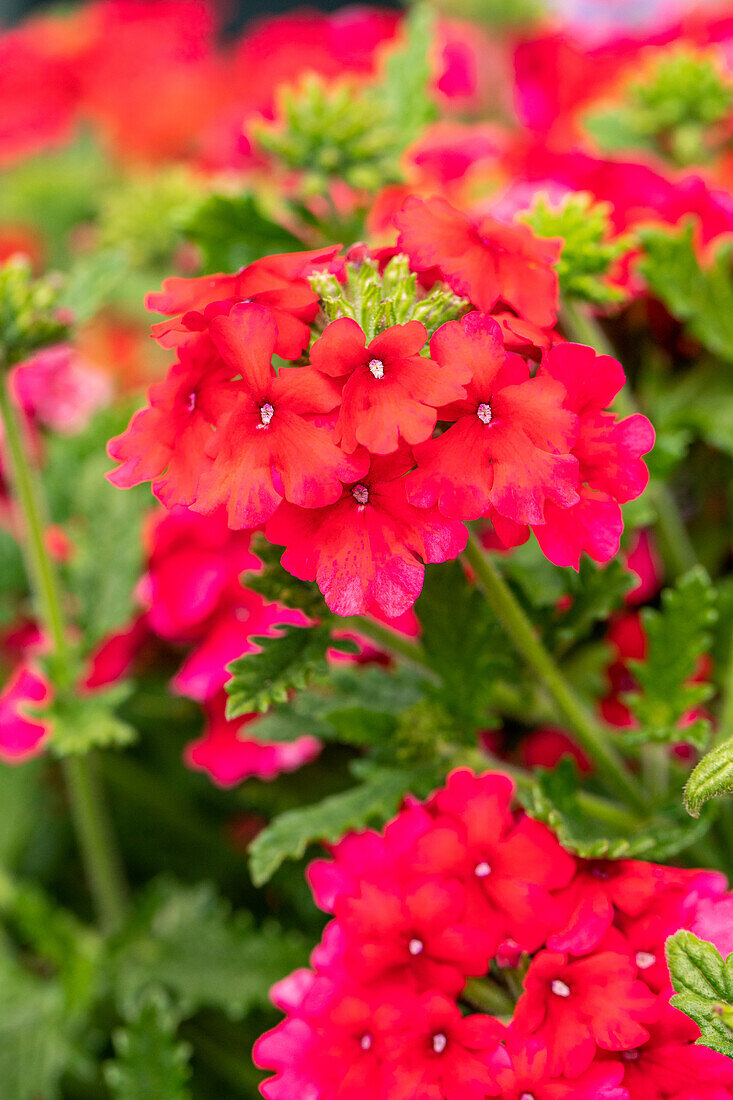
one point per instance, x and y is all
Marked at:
(440, 1042)
(366, 1042)
(191, 402)
(560, 989)
(644, 959)
(481, 870)
(415, 947)
(484, 412)
(630, 1055)
(527, 1096)
(266, 414)
(376, 366)
(360, 493)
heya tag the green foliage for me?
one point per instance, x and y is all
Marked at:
(185, 940)
(284, 663)
(712, 777)
(36, 1046)
(693, 405)
(464, 645)
(495, 14)
(593, 593)
(13, 584)
(594, 829)
(93, 281)
(80, 723)
(703, 984)
(234, 230)
(371, 803)
(588, 250)
(676, 636)
(700, 295)
(377, 300)
(144, 215)
(670, 109)
(150, 1062)
(274, 583)
(30, 314)
(351, 133)
(103, 523)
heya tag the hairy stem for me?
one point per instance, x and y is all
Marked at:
(87, 809)
(674, 541)
(591, 735)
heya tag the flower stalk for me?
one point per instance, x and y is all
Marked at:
(92, 826)
(590, 734)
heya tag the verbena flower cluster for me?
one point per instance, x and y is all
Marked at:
(464, 897)
(366, 458)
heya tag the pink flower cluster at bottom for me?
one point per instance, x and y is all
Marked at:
(464, 887)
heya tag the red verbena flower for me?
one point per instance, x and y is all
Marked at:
(529, 1076)
(363, 551)
(166, 441)
(486, 261)
(575, 1006)
(267, 445)
(392, 392)
(508, 448)
(278, 282)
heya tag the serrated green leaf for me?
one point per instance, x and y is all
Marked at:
(233, 230)
(403, 91)
(80, 723)
(186, 940)
(676, 636)
(583, 828)
(594, 592)
(699, 295)
(371, 803)
(703, 984)
(696, 406)
(712, 777)
(150, 1061)
(286, 663)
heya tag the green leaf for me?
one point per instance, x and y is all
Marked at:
(186, 940)
(696, 405)
(285, 663)
(703, 984)
(463, 643)
(371, 803)
(699, 295)
(93, 281)
(587, 250)
(597, 831)
(35, 1046)
(712, 776)
(233, 230)
(150, 1061)
(80, 723)
(676, 637)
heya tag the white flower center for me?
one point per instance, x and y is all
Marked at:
(191, 401)
(630, 1055)
(527, 1096)
(366, 1042)
(560, 989)
(376, 366)
(266, 414)
(481, 870)
(415, 947)
(440, 1042)
(645, 959)
(483, 412)
(360, 493)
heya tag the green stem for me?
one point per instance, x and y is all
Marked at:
(92, 828)
(674, 541)
(655, 769)
(488, 996)
(593, 738)
(725, 723)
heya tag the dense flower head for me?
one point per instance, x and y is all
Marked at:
(366, 457)
(465, 897)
